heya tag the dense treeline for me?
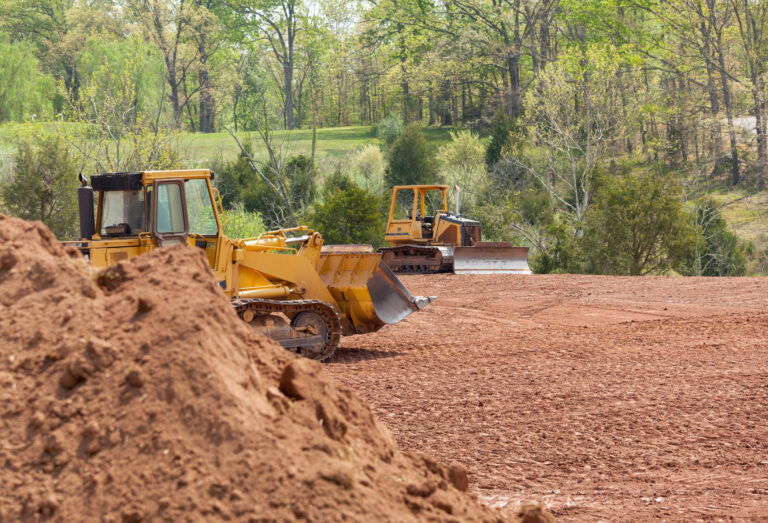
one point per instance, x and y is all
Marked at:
(586, 104)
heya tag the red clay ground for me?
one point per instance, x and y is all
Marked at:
(605, 398)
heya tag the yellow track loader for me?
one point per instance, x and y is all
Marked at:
(282, 282)
(426, 238)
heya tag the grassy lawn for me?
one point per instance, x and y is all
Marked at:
(200, 150)
(747, 216)
(203, 149)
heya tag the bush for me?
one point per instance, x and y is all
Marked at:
(239, 183)
(410, 161)
(44, 185)
(367, 166)
(500, 138)
(349, 214)
(233, 178)
(637, 225)
(243, 224)
(719, 253)
(462, 164)
(389, 129)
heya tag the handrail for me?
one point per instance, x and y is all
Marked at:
(221, 206)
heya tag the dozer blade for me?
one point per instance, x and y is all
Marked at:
(491, 258)
(391, 300)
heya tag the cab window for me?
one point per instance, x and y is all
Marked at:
(170, 209)
(122, 213)
(403, 205)
(200, 208)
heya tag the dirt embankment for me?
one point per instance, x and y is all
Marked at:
(141, 396)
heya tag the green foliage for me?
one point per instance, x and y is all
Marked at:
(559, 249)
(25, 93)
(501, 136)
(129, 71)
(720, 252)
(367, 166)
(461, 163)
(117, 131)
(239, 183)
(242, 223)
(348, 214)
(44, 185)
(410, 160)
(232, 178)
(638, 225)
(389, 129)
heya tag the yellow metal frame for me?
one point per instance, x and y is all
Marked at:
(407, 231)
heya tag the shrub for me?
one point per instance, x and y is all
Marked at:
(389, 129)
(500, 138)
(461, 163)
(44, 185)
(410, 161)
(637, 225)
(367, 166)
(348, 214)
(242, 223)
(719, 253)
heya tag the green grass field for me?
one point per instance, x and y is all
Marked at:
(202, 149)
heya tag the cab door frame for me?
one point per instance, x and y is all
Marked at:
(168, 239)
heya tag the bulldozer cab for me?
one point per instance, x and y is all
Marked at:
(140, 211)
(415, 212)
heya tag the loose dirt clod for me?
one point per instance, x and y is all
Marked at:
(142, 396)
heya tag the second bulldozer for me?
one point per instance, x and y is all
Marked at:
(426, 238)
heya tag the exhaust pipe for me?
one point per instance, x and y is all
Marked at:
(458, 198)
(85, 209)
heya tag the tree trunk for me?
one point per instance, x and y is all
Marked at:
(288, 85)
(762, 152)
(714, 100)
(206, 100)
(174, 95)
(735, 177)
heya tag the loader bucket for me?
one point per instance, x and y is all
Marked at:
(491, 258)
(367, 290)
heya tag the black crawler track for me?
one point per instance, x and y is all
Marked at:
(292, 307)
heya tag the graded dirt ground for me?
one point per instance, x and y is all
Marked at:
(606, 398)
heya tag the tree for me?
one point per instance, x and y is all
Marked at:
(119, 130)
(500, 138)
(278, 22)
(348, 214)
(719, 253)
(462, 164)
(24, 92)
(44, 185)
(752, 18)
(638, 225)
(410, 160)
(569, 130)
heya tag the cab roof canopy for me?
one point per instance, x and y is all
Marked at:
(133, 180)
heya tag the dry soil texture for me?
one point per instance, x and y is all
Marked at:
(606, 398)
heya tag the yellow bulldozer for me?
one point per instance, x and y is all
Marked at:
(282, 282)
(426, 238)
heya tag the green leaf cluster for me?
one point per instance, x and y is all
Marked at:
(410, 160)
(44, 185)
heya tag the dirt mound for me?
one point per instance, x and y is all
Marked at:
(141, 396)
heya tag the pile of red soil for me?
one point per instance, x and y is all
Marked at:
(139, 394)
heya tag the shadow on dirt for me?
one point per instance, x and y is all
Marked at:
(345, 355)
